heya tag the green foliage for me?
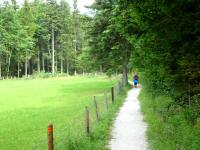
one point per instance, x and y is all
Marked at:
(42, 75)
(166, 51)
(26, 37)
(110, 47)
(168, 126)
(161, 40)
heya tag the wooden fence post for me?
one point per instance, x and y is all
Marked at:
(96, 107)
(106, 101)
(112, 93)
(87, 120)
(50, 137)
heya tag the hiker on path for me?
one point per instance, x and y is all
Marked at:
(135, 80)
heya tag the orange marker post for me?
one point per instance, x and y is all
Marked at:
(50, 137)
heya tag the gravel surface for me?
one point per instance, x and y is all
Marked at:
(129, 130)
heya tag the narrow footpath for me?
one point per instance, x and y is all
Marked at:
(129, 130)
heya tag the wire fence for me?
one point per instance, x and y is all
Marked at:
(78, 127)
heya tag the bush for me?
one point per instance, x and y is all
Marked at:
(46, 75)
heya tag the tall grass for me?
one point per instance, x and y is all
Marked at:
(100, 130)
(168, 127)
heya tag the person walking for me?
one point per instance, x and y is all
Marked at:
(135, 80)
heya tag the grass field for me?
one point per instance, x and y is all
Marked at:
(28, 106)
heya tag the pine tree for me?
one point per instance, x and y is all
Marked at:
(27, 21)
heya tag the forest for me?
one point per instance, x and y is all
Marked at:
(41, 37)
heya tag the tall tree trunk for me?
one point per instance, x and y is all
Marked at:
(67, 68)
(38, 62)
(8, 69)
(0, 71)
(53, 51)
(30, 66)
(75, 58)
(125, 67)
(61, 65)
(26, 67)
(56, 64)
(125, 74)
(101, 69)
(48, 65)
(43, 63)
(18, 69)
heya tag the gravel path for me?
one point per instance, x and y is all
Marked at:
(129, 131)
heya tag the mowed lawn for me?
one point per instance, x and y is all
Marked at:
(28, 106)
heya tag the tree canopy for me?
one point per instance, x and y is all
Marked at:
(39, 36)
(159, 40)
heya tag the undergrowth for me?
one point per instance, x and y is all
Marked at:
(170, 126)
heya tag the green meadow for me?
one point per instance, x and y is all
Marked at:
(28, 106)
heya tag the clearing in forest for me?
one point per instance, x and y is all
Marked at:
(28, 106)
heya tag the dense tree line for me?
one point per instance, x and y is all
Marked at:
(159, 39)
(41, 36)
